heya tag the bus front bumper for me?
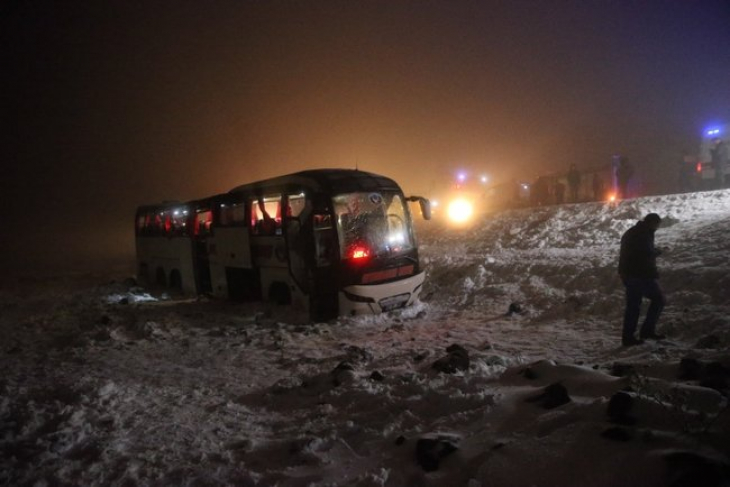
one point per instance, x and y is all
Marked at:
(377, 298)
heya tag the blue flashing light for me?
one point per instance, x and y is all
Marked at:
(712, 132)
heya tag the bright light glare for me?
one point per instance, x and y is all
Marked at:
(460, 211)
(434, 203)
(612, 197)
(396, 238)
(461, 177)
(484, 179)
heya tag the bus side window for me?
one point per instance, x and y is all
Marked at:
(143, 224)
(231, 214)
(203, 220)
(266, 215)
(159, 224)
(295, 204)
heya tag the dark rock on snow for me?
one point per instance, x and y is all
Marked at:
(529, 373)
(514, 308)
(377, 376)
(430, 450)
(619, 408)
(714, 375)
(457, 359)
(553, 396)
(622, 370)
(690, 369)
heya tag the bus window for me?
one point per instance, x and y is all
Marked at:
(371, 224)
(266, 215)
(295, 204)
(176, 222)
(397, 232)
(159, 224)
(232, 214)
(203, 220)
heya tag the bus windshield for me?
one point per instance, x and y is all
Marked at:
(372, 224)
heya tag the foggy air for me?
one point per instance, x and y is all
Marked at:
(114, 105)
(365, 243)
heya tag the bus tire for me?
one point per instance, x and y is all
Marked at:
(160, 278)
(279, 293)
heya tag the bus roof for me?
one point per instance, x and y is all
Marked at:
(330, 180)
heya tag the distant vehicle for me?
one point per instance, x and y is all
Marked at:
(329, 241)
(713, 164)
(468, 197)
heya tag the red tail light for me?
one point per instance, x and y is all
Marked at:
(359, 252)
(699, 167)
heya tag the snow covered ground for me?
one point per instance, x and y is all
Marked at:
(104, 384)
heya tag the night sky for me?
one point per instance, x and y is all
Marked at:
(111, 104)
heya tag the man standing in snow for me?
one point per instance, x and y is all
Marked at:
(638, 271)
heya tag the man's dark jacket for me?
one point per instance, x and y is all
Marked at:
(638, 254)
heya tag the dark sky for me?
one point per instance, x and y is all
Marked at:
(110, 104)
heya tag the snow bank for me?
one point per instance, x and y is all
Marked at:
(509, 372)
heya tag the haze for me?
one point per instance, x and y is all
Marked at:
(109, 105)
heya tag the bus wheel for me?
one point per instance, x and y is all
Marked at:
(279, 293)
(175, 280)
(160, 278)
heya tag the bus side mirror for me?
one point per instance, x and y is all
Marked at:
(425, 205)
(425, 208)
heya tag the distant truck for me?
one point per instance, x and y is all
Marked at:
(713, 164)
(468, 198)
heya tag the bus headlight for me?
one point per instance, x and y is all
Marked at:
(460, 210)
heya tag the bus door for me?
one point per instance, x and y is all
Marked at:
(201, 233)
(299, 239)
(268, 248)
(324, 297)
(229, 247)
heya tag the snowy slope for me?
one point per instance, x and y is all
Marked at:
(106, 385)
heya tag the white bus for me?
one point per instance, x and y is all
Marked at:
(328, 241)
